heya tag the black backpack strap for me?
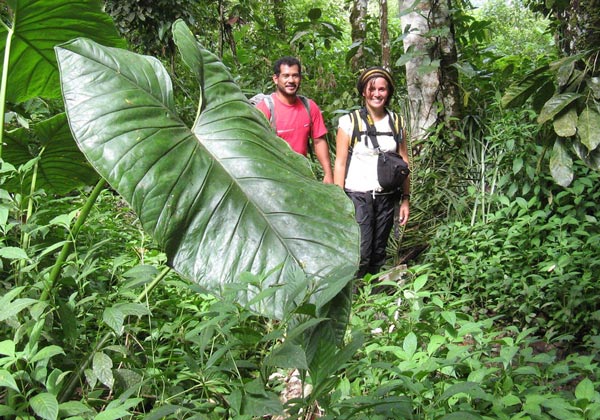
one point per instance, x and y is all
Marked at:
(372, 133)
(369, 127)
(356, 122)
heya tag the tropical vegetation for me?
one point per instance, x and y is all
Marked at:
(164, 255)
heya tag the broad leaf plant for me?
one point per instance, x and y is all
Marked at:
(28, 34)
(223, 197)
(234, 209)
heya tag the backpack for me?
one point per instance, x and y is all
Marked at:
(390, 166)
(363, 124)
(256, 99)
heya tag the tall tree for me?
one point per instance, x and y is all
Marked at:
(431, 78)
(358, 24)
(226, 22)
(386, 56)
(447, 52)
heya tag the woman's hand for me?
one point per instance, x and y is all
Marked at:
(404, 211)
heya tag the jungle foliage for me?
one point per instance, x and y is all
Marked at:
(123, 296)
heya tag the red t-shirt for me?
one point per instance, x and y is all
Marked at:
(293, 124)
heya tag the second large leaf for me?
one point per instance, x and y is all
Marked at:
(225, 198)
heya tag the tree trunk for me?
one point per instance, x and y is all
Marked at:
(220, 46)
(422, 88)
(578, 29)
(446, 49)
(279, 15)
(431, 78)
(358, 33)
(386, 56)
(228, 32)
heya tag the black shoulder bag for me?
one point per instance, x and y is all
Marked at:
(392, 170)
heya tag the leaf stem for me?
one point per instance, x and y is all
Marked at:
(152, 284)
(50, 282)
(85, 210)
(3, 83)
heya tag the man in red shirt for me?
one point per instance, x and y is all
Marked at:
(292, 122)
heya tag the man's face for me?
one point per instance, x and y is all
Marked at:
(288, 80)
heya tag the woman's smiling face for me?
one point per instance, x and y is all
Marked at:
(376, 93)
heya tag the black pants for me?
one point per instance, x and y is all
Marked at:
(375, 216)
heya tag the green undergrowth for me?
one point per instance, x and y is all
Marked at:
(428, 357)
(533, 262)
(108, 342)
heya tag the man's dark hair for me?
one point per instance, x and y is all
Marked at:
(288, 61)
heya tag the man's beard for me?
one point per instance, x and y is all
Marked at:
(284, 92)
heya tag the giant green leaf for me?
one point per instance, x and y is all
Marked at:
(61, 168)
(222, 198)
(39, 25)
(542, 95)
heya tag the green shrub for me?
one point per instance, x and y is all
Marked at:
(425, 356)
(532, 261)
